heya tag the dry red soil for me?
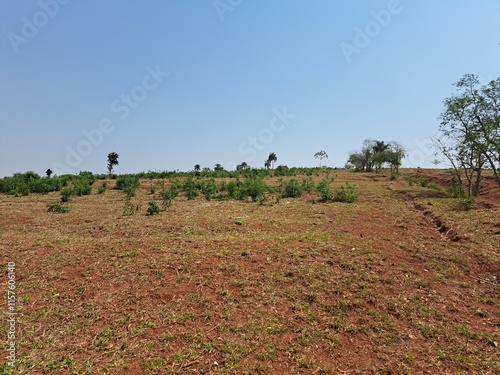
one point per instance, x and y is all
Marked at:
(402, 281)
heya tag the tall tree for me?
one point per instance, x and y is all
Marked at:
(112, 161)
(242, 166)
(272, 159)
(321, 155)
(197, 168)
(48, 172)
(470, 128)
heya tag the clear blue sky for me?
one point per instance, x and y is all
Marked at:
(77, 65)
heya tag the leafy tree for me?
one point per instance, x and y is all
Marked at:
(48, 172)
(470, 128)
(321, 155)
(218, 167)
(197, 168)
(112, 161)
(242, 166)
(267, 164)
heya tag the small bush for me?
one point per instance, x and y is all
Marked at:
(167, 196)
(324, 190)
(66, 194)
(82, 187)
(58, 208)
(466, 203)
(293, 189)
(307, 185)
(345, 194)
(191, 189)
(102, 188)
(424, 182)
(153, 208)
(411, 180)
(128, 184)
(456, 189)
(209, 189)
(253, 188)
(129, 209)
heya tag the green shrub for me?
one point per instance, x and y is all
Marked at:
(102, 188)
(253, 188)
(292, 189)
(153, 208)
(58, 208)
(345, 194)
(424, 182)
(167, 196)
(66, 194)
(411, 180)
(128, 184)
(209, 189)
(191, 189)
(129, 209)
(466, 203)
(307, 184)
(82, 187)
(456, 189)
(324, 190)
(233, 189)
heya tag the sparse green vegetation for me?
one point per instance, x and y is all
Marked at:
(58, 208)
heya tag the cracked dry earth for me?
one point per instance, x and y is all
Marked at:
(399, 282)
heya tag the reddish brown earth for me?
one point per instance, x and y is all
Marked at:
(402, 281)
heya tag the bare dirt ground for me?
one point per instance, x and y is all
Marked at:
(400, 282)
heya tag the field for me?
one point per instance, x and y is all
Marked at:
(402, 281)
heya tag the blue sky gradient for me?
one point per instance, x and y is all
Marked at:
(245, 78)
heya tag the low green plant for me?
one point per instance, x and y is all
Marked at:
(424, 182)
(324, 190)
(129, 209)
(58, 208)
(153, 208)
(466, 203)
(345, 193)
(102, 188)
(127, 184)
(456, 189)
(411, 180)
(307, 184)
(292, 189)
(209, 189)
(191, 189)
(167, 196)
(253, 188)
(66, 194)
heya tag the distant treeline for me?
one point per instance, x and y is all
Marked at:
(31, 182)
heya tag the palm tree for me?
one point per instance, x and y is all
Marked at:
(267, 164)
(48, 172)
(380, 146)
(320, 155)
(242, 166)
(112, 161)
(272, 158)
(197, 168)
